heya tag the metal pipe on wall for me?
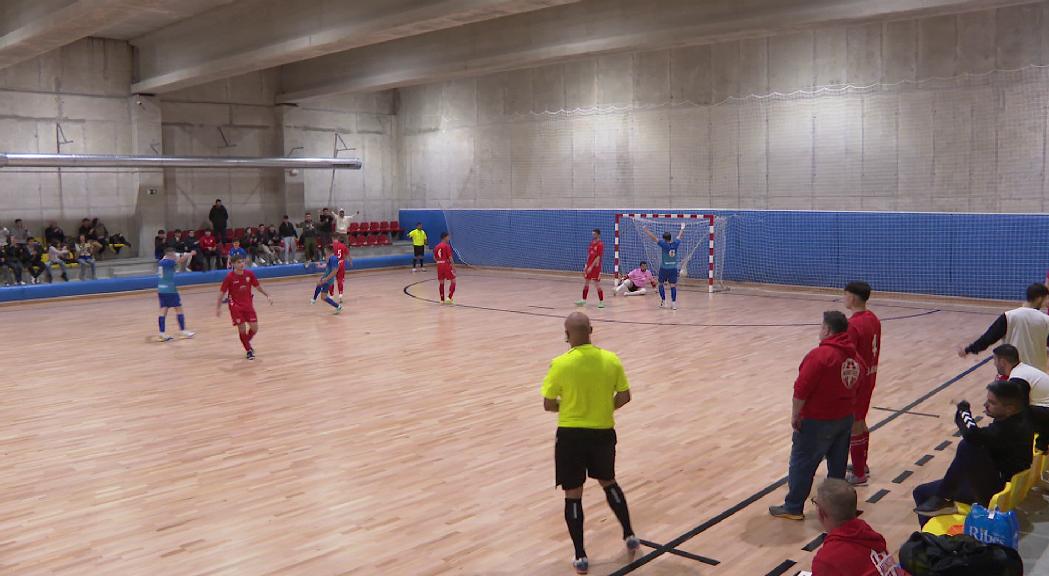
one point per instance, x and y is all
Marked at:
(122, 161)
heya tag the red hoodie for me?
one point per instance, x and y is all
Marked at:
(828, 378)
(854, 549)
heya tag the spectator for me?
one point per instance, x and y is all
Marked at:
(342, 224)
(852, 547)
(250, 242)
(56, 255)
(100, 234)
(1026, 327)
(10, 259)
(309, 238)
(234, 252)
(117, 241)
(325, 229)
(219, 218)
(274, 242)
(262, 250)
(20, 232)
(181, 249)
(160, 241)
(192, 245)
(85, 256)
(822, 412)
(209, 251)
(34, 261)
(53, 233)
(986, 458)
(289, 237)
(85, 229)
(1007, 363)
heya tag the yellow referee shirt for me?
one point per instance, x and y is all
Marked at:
(418, 237)
(586, 379)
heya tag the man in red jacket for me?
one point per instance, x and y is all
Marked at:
(822, 412)
(852, 547)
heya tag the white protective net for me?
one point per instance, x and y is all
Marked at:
(693, 253)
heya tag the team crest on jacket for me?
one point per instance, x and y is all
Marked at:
(850, 372)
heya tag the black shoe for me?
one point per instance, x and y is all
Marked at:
(251, 355)
(935, 506)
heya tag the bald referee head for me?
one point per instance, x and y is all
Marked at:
(585, 386)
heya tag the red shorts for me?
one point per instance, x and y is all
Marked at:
(594, 274)
(862, 404)
(242, 314)
(445, 272)
(341, 273)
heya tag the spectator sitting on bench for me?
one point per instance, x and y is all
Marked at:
(10, 260)
(160, 241)
(56, 256)
(85, 257)
(34, 261)
(852, 547)
(118, 241)
(986, 458)
(235, 251)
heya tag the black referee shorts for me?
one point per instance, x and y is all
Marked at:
(583, 452)
(419, 251)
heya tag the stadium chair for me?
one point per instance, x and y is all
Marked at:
(357, 241)
(170, 235)
(238, 233)
(384, 227)
(373, 240)
(354, 228)
(384, 240)
(395, 227)
(373, 227)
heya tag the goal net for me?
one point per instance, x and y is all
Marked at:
(701, 254)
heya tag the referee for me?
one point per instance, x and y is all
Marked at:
(585, 386)
(418, 237)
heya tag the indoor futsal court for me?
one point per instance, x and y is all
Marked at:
(523, 287)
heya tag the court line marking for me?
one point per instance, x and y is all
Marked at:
(782, 568)
(908, 412)
(877, 496)
(708, 524)
(684, 554)
(923, 460)
(407, 292)
(903, 476)
(816, 543)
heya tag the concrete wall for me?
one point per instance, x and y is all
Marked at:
(82, 88)
(674, 128)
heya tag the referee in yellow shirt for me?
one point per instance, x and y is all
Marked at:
(585, 386)
(418, 236)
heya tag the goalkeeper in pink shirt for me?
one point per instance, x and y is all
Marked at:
(636, 282)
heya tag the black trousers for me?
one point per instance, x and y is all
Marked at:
(971, 478)
(1040, 419)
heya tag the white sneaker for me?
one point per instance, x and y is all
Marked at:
(188, 334)
(166, 337)
(313, 300)
(673, 306)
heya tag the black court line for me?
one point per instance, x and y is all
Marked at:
(923, 460)
(407, 292)
(543, 307)
(903, 476)
(908, 412)
(684, 554)
(943, 445)
(877, 496)
(816, 543)
(957, 434)
(728, 513)
(782, 568)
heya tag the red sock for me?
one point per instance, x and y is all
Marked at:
(245, 340)
(442, 291)
(586, 290)
(600, 294)
(451, 290)
(858, 445)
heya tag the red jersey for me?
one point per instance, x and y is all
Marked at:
(207, 242)
(442, 253)
(854, 549)
(865, 331)
(339, 249)
(238, 286)
(597, 250)
(828, 378)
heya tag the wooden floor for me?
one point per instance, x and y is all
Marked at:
(404, 437)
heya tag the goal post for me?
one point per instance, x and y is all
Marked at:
(700, 235)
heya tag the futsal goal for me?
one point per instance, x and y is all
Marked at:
(701, 254)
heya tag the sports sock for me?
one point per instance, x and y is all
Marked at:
(617, 501)
(331, 302)
(441, 289)
(673, 293)
(586, 291)
(574, 519)
(858, 446)
(163, 323)
(245, 340)
(600, 294)
(317, 291)
(251, 333)
(662, 292)
(451, 290)
(182, 322)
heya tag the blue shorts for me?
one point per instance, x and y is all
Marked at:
(668, 275)
(169, 300)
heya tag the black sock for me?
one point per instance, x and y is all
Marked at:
(574, 519)
(617, 501)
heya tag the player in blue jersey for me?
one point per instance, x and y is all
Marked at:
(668, 265)
(168, 292)
(331, 269)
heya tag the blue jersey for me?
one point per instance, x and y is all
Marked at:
(239, 251)
(166, 272)
(669, 259)
(332, 264)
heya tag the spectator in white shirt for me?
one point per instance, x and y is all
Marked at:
(1007, 363)
(342, 224)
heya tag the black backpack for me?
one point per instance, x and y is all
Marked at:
(930, 555)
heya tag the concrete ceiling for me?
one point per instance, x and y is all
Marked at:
(325, 47)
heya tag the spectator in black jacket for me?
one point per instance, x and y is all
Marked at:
(219, 218)
(192, 246)
(34, 261)
(160, 241)
(325, 229)
(261, 250)
(289, 237)
(309, 238)
(986, 458)
(85, 229)
(9, 259)
(53, 233)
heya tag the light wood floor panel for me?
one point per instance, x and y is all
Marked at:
(403, 437)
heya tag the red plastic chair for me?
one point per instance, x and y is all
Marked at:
(384, 240)
(356, 241)
(384, 227)
(395, 227)
(354, 228)
(238, 233)
(373, 240)
(373, 227)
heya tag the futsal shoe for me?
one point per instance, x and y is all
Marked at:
(600, 304)
(632, 545)
(580, 302)
(338, 310)
(782, 512)
(673, 306)
(935, 506)
(866, 469)
(166, 337)
(662, 303)
(581, 565)
(188, 334)
(250, 355)
(313, 300)
(855, 480)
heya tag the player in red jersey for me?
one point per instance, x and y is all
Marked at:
(237, 285)
(592, 270)
(345, 261)
(442, 255)
(865, 331)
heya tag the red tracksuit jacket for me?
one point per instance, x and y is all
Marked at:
(854, 549)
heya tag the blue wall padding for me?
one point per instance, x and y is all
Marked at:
(952, 254)
(108, 285)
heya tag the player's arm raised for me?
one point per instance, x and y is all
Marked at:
(681, 233)
(650, 234)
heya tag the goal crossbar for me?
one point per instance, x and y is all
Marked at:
(710, 219)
